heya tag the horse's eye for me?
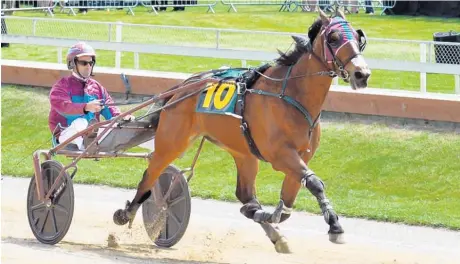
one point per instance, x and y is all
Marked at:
(333, 37)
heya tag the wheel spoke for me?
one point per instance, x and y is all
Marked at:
(49, 179)
(162, 234)
(61, 209)
(166, 226)
(37, 206)
(53, 219)
(176, 201)
(158, 192)
(44, 221)
(174, 218)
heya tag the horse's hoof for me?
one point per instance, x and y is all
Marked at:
(120, 217)
(282, 246)
(337, 238)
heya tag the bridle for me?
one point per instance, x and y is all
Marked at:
(338, 65)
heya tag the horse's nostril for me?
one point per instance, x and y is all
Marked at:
(359, 75)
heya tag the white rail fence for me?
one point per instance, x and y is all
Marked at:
(422, 57)
(161, 5)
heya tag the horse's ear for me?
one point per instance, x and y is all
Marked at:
(302, 41)
(340, 14)
(324, 17)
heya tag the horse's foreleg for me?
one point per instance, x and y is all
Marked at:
(247, 169)
(298, 175)
(288, 194)
(251, 206)
(316, 186)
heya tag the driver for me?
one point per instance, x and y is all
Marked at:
(78, 100)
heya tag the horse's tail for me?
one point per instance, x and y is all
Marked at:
(155, 117)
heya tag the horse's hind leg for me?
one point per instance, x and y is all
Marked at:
(171, 140)
(247, 168)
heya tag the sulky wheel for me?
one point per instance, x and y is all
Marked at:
(166, 225)
(51, 221)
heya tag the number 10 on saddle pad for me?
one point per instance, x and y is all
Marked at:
(218, 98)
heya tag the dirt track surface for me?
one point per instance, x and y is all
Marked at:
(217, 233)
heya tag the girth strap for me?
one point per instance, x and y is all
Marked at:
(244, 125)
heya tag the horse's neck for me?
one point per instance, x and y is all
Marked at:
(311, 91)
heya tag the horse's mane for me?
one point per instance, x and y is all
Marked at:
(291, 57)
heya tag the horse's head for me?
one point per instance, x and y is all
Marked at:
(337, 43)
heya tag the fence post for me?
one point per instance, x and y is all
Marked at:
(59, 50)
(423, 74)
(136, 60)
(457, 84)
(110, 32)
(118, 37)
(430, 52)
(34, 27)
(217, 39)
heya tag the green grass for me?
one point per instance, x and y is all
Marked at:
(370, 171)
(247, 18)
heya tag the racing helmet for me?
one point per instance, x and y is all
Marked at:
(78, 50)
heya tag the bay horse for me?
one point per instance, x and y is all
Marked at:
(282, 108)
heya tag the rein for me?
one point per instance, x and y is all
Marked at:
(331, 74)
(172, 92)
(177, 88)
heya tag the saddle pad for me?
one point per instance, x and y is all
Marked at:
(218, 98)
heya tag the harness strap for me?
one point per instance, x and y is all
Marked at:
(286, 80)
(244, 125)
(290, 101)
